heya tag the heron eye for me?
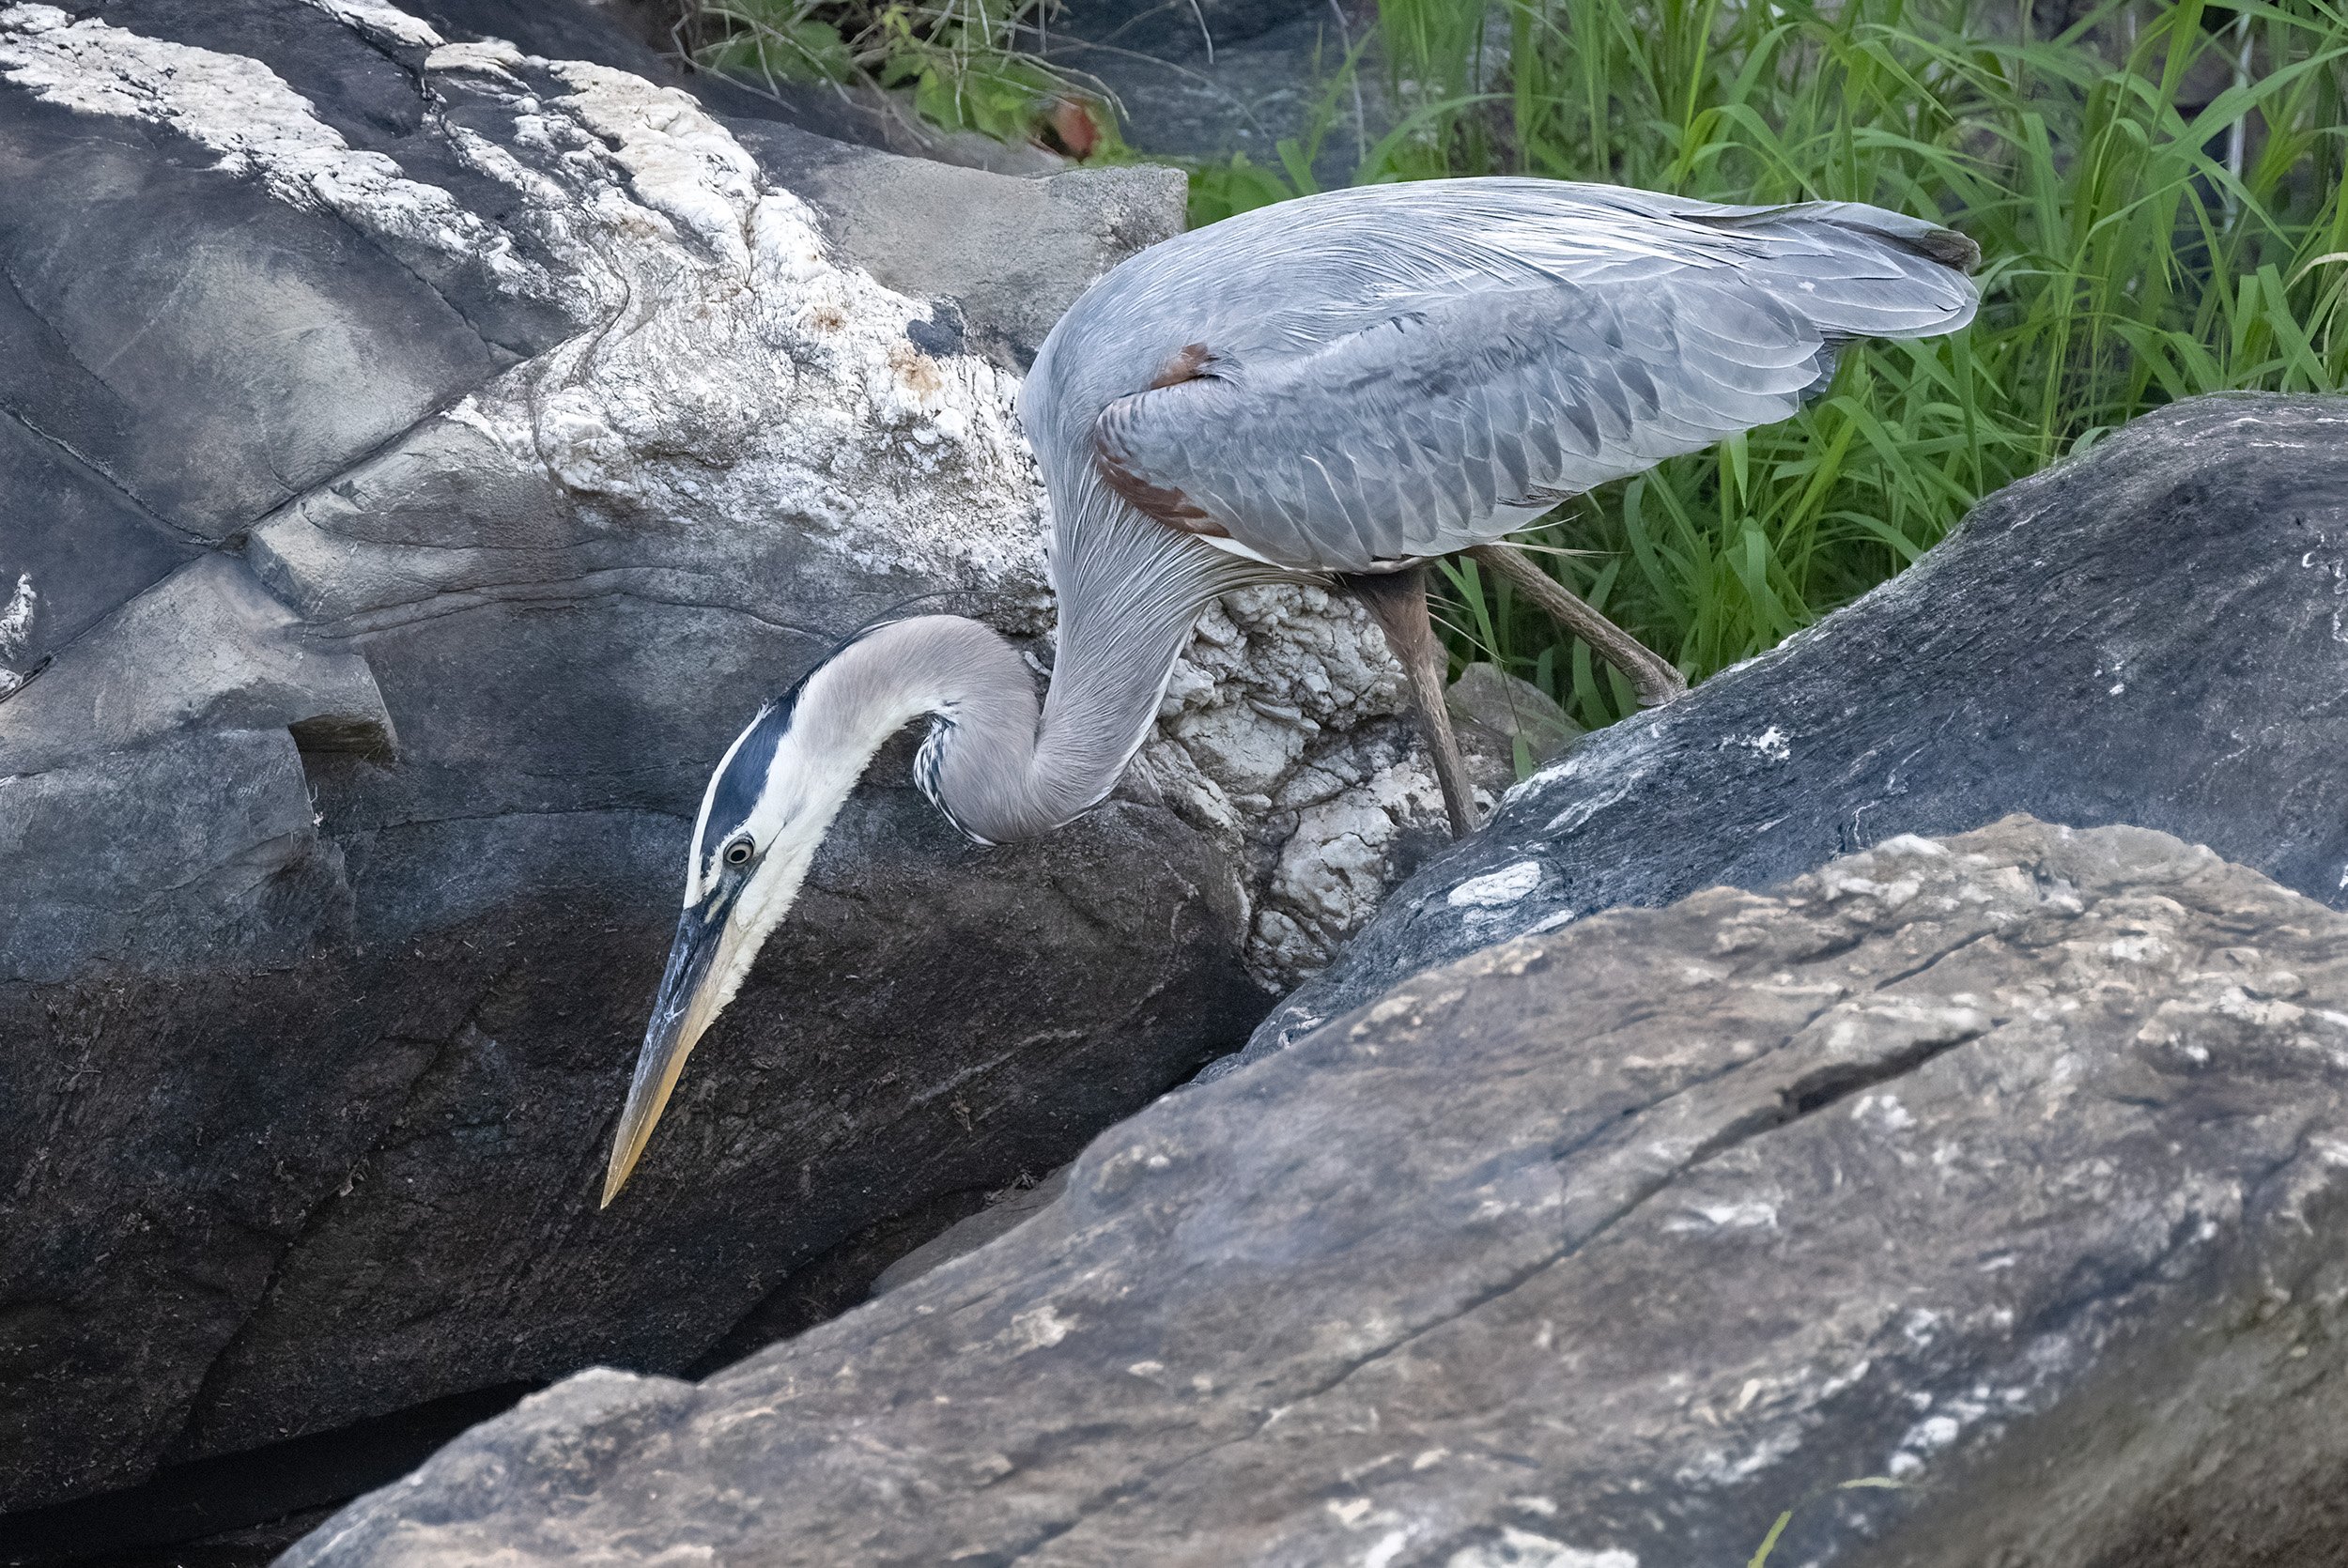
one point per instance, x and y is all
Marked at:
(739, 852)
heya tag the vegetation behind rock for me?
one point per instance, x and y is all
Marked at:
(2157, 191)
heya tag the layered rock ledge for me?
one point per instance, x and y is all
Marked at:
(2003, 1175)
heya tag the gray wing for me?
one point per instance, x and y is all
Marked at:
(1552, 341)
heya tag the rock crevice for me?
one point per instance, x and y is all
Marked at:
(1618, 1239)
(504, 429)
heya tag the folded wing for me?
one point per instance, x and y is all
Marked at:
(1514, 360)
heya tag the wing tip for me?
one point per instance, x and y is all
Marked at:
(1949, 248)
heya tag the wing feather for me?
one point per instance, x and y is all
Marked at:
(1475, 350)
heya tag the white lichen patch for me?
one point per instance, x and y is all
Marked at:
(16, 617)
(1497, 889)
(1747, 1214)
(15, 629)
(1522, 1549)
(1039, 1329)
(243, 111)
(385, 24)
(1882, 1112)
(1718, 1468)
(1770, 744)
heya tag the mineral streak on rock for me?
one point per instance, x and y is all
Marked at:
(2009, 1167)
(418, 459)
(241, 109)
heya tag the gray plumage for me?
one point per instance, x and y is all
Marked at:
(1349, 383)
(1403, 371)
(1377, 375)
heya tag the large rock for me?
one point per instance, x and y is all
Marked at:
(1206, 79)
(417, 459)
(2005, 1176)
(2152, 633)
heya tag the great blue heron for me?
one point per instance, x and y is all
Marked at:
(1343, 387)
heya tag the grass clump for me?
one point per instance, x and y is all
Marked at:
(967, 65)
(2157, 188)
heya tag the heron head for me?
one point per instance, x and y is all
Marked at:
(773, 798)
(765, 811)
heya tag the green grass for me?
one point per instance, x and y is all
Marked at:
(2157, 220)
(2158, 193)
(1768, 1544)
(960, 62)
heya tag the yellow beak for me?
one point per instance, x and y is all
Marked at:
(688, 1003)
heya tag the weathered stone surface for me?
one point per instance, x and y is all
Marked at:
(1507, 719)
(1206, 79)
(637, 36)
(1011, 254)
(2152, 633)
(417, 459)
(2012, 1168)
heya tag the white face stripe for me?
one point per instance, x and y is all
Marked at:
(823, 735)
(693, 885)
(814, 767)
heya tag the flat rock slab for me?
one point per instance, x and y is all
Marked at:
(2153, 633)
(2010, 1169)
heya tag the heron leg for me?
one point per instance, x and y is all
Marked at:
(1398, 602)
(1655, 681)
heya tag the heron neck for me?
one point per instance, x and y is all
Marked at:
(1130, 592)
(999, 767)
(1001, 771)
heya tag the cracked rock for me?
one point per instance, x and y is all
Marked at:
(2151, 633)
(419, 457)
(2007, 1173)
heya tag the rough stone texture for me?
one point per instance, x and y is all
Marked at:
(1280, 740)
(1003, 248)
(635, 36)
(1206, 79)
(2012, 1168)
(1506, 716)
(1005, 1212)
(2153, 633)
(417, 459)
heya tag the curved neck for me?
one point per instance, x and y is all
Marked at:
(992, 763)
(996, 767)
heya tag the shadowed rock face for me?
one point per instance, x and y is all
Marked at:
(417, 460)
(2009, 1167)
(2152, 633)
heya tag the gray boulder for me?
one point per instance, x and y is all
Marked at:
(1206, 79)
(418, 458)
(1972, 1201)
(2151, 633)
(1003, 251)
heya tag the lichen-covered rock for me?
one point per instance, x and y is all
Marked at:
(2005, 1176)
(2152, 633)
(418, 458)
